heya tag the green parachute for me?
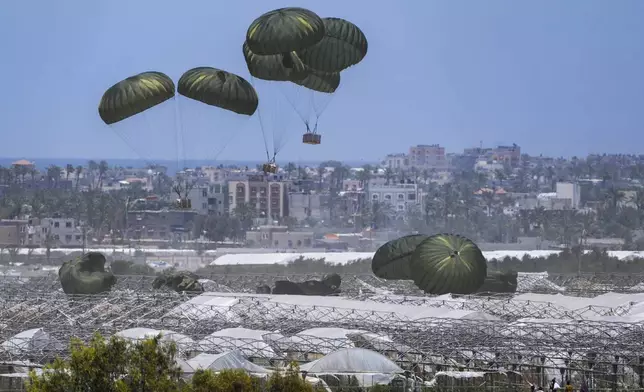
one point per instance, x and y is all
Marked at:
(439, 264)
(179, 281)
(294, 45)
(284, 30)
(448, 263)
(219, 88)
(392, 260)
(135, 95)
(86, 275)
(342, 46)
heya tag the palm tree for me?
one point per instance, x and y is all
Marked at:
(103, 167)
(388, 175)
(321, 172)
(69, 169)
(53, 174)
(290, 168)
(77, 173)
(364, 176)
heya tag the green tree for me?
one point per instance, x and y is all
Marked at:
(113, 365)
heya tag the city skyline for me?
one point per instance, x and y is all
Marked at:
(561, 80)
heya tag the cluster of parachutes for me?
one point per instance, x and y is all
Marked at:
(291, 45)
(438, 264)
(441, 264)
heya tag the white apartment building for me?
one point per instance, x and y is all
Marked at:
(570, 192)
(266, 194)
(399, 196)
(396, 161)
(62, 232)
(209, 199)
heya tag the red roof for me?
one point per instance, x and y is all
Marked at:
(22, 162)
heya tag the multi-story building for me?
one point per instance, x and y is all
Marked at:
(396, 161)
(57, 232)
(303, 205)
(13, 232)
(266, 194)
(399, 196)
(162, 224)
(510, 154)
(279, 237)
(570, 192)
(424, 156)
(209, 199)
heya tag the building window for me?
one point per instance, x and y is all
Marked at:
(374, 197)
(57, 237)
(56, 224)
(387, 197)
(78, 238)
(204, 193)
(411, 196)
(68, 238)
(401, 196)
(299, 243)
(68, 225)
(290, 243)
(277, 243)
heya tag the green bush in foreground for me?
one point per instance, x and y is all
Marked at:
(117, 365)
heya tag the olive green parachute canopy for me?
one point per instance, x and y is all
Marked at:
(392, 260)
(284, 30)
(448, 263)
(320, 81)
(134, 95)
(275, 67)
(343, 45)
(86, 275)
(219, 88)
(179, 281)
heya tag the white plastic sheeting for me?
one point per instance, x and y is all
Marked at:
(285, 258)
(369, 367)
(249, 341)
(30, 341)
(310, 308)
(183, 342)
(219, 362)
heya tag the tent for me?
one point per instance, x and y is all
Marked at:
(368, 367)
(218, 362)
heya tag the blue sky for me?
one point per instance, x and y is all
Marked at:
(556, 77)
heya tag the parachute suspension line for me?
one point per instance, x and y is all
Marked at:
(147, 160)
(305, 118)
(261, 122)
(318, 112)
(181, 159)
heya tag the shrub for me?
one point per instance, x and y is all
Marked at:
(118, 365)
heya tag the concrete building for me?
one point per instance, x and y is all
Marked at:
(62, 232)
(209, 199)
(424, 156)
(13, 232)
(396, 161)
(305, 205)
(400, 196)
(510, 154)
(161, 225)
(571, 192)
(352, 185)
(268, 195)
(279, 237)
